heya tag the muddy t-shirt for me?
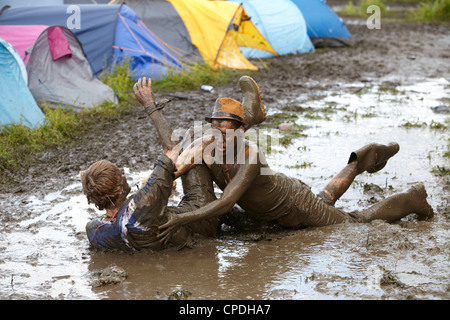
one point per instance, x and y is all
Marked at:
(108, 235)
(150, 200)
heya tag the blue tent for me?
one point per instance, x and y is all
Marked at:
(108, 33)
(281, 23)
(22, 3)
(322, 22)
(17, 104)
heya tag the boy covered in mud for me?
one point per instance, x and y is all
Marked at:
(131, 222)
(239, 169)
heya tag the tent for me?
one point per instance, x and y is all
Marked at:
(22, 38)
(17, 105)
(203, 31)
(58, 71)
(187, 30)
(164, 21)
(281, 23)
(21, 3)
(325, 28)
(108, 34)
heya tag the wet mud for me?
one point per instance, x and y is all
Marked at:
(342, 98)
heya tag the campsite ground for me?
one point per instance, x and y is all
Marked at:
(398, 53)
(411, 257)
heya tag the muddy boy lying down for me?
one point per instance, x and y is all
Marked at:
(131, 222)
(145, 221)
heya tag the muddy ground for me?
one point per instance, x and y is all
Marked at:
(398, 52)
(262, 265)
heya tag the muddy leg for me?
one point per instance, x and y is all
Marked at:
(370, 158)
(339, 184)
(198, 191)
(414, 200)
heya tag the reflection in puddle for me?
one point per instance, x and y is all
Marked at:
(369, 116)
(46, 254)
(230, 255)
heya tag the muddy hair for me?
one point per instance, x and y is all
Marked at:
(104, 185)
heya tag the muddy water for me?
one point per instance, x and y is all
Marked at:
(44, 252)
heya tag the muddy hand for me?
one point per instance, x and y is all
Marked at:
(169, 229)
(144, 93)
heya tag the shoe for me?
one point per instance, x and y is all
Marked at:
(373, 157)
(254, 112)
(419, 195)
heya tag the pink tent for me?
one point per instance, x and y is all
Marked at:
(21, 38)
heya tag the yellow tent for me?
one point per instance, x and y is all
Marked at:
(213, 29)
(218, 28)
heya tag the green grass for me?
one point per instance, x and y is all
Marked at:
(18, 143)
(441, 171)
(358, 9)
(423, 11)
(120, 80)
(301, 165)
(296, 131)
(196, 76)
(432, 11)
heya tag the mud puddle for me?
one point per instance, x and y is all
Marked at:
(45, 253)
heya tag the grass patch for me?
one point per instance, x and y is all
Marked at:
(432, 11)
(438, 126)
(303, 165)
(198, 75)
(359, 8)
(409, 124)
(286, 136)
(433, 125)
(295, 133)
(424, 11)
(120, 80)
(18, 143)
(389, 87)
(279, 118)
(440, 171)
(369, 115)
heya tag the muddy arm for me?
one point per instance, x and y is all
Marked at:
(156, 191)
(144, 94)
(194, 154)
(231, 194)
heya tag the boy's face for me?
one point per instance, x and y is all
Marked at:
(229, 135)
